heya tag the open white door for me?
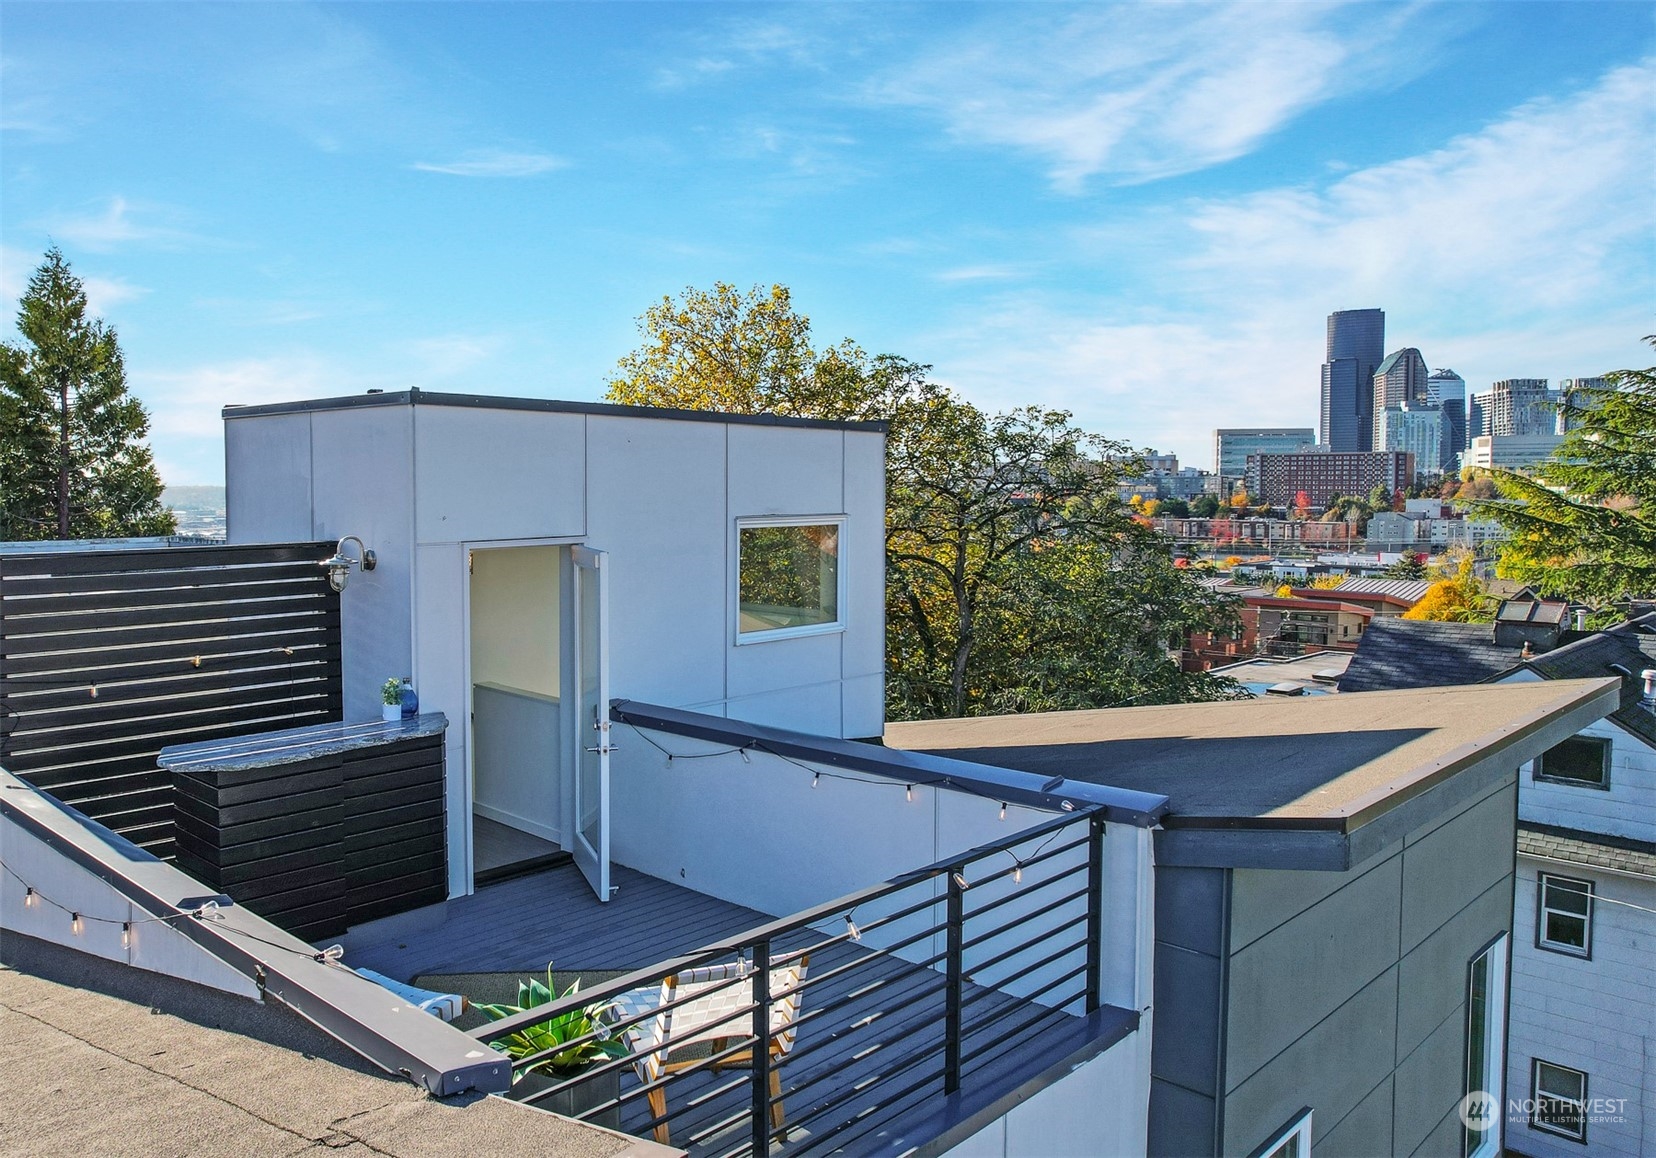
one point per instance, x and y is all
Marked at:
(591, 845)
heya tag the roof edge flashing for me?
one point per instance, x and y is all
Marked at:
(1123, 805)
(417, 397)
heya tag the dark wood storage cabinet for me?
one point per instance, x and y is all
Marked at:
(316, 829)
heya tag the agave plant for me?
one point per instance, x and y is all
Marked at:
(556, 1033)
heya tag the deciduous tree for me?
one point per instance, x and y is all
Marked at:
(1016, 578)
(74, 460)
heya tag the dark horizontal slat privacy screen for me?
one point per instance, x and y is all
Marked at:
(181, 644)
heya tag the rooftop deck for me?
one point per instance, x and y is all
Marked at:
(865, 1076)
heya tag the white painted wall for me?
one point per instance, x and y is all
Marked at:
(155, 946)
(1596, 1015)
(1100, 1108)
(1626, 808)
(424, 484)
(515, 619)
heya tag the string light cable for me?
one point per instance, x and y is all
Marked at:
(206, 911)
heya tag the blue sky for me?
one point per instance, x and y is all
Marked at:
(1140, 213)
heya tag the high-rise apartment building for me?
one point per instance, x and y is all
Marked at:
(1416, 427)
(1448, 390)
(1518, 406)
(1356, 346)
(1569, 398)
(1231, 448)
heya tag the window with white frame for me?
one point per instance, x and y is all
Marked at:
(789, 575)
(1292, 1141)
(1564, 920)
(1583, 761)
(1559, 1095)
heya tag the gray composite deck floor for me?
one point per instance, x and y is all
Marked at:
(882, 1020)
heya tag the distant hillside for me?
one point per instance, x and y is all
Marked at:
(193, 498)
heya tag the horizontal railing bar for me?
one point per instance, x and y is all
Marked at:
(979, 967)
(1023, 890)
(637, 979)
(775, 929)
(841, 1036)
(1042, 855)
(1046, 1011)
(1063, 951)
(1024, 919)
(835, 1104)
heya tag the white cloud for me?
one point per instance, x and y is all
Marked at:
(119, 223)
(970, 273)
(495, 163)
(1520, 250)
(1142, 91)
(104, 293)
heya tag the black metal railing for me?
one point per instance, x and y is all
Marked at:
(850, 1013)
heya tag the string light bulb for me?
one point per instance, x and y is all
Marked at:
(960, 879)
(1017, 875)
(76, 925)
(126, 934)
(31, 899)
(1003, 810)
(816, 779)
(851, 928)
(908, 791)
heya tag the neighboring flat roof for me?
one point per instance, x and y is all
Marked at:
(1303, 669)
(417, 397)
(1328, 764)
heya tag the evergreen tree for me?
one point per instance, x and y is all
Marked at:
(74, 460)
(1584, 525)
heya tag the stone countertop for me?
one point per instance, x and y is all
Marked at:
(292, 745)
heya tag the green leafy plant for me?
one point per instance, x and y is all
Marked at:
(558, 1031)
(391, 691)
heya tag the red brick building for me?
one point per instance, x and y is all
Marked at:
(1278, 479)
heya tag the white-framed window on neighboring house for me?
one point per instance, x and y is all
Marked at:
(1582, 761)
(1564, 915)
(1559, 1095)
(790, 574)
(1292, 1141)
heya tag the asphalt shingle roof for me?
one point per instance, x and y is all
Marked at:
(1403, 653)
(1631, 646)
(1590, 850)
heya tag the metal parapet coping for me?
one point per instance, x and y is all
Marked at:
(399, 1038)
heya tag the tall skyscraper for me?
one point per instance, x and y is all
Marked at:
(1399, 379)
(1448, 390)
(1356, 345)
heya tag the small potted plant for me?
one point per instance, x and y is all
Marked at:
(391, 697)
(571, 1026)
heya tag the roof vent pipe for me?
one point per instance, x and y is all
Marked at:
(1649, 677)
(1581, 618)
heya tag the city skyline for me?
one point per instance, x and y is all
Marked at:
(1138, 213)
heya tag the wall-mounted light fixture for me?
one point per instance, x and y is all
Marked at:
(339, 564)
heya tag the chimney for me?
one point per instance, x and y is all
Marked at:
(1649, 698)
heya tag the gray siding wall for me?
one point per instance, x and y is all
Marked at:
(1346, 985)
(1343, 991)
